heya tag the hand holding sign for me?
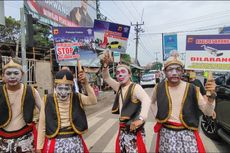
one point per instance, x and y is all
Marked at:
(106, 58)
(81, 74)
(210, 86)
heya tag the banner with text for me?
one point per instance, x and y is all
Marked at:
(111, 35)
(208, 52)
(72, 43)
(63, 13)
(169, 43)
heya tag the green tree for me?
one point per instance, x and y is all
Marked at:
(41, 35)
(157, 66)
(125, 58)
(11, 31)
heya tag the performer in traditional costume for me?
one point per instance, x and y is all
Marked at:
(132, 103)
(62, 117)
(178, 105)
(17, 104)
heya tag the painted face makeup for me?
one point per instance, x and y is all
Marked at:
(63, 91)
(12, 76)
(122, 75)
(173, 73)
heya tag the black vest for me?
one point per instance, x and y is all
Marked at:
(189, 115)
(78, 119)
(130, 109)
(27, 104)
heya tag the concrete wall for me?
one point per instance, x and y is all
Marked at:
(44, 77)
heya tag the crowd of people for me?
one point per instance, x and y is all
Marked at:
(62, 119)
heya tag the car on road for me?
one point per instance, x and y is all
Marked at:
(148, 80)
(219, 128)
(114, 45)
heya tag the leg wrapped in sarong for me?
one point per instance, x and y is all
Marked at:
(174, 138)
(130, 142)
(17, 141)
(65, 143)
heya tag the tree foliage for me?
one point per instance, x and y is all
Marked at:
(11, 31)
(125, 58)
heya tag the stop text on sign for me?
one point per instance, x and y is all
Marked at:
(65, 50)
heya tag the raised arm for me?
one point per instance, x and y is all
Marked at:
(110, 81)
(105, 60)
(207, 103)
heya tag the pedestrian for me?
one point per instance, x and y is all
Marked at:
(62, 117)
(132, 103)
(178, 105)
(17, 104)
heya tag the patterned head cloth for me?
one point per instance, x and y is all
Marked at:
(64, 76)
(173, 59)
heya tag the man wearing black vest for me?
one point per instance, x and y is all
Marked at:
(62, 117)
(132, 103)
(17, 104)
(178, 105)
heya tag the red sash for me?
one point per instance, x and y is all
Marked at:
(26, 129)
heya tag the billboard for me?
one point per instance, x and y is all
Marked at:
(111, 35)
(208, 52)
(73, 43)
(2, 13)
(169, 44)
(224, 30)
(63, 13)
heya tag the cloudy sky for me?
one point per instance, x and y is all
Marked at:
(181, 17)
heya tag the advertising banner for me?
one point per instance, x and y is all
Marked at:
(111, 35)
(208, 52)
(73, 43)
(63, 13)
(169, 44)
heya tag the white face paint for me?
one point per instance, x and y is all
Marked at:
(63, 91)
(173, 73)
(12, 76)
(122, 75)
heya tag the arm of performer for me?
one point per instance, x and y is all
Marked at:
(111, 82)
(41, 128)
(91, 98)
(38, 99)
(207, 103)
(140, 94)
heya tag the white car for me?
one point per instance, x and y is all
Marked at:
(148, 79)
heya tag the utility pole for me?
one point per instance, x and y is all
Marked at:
(137, 29)
(156, 56)
(23, 44)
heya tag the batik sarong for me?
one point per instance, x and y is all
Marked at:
(16, 145)
(130, 142)
(73, 144)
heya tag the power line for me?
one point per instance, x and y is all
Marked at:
(137, 29)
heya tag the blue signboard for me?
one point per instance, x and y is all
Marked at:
(169, 44)
(73, 43)
(111, 36)
(201, 42)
